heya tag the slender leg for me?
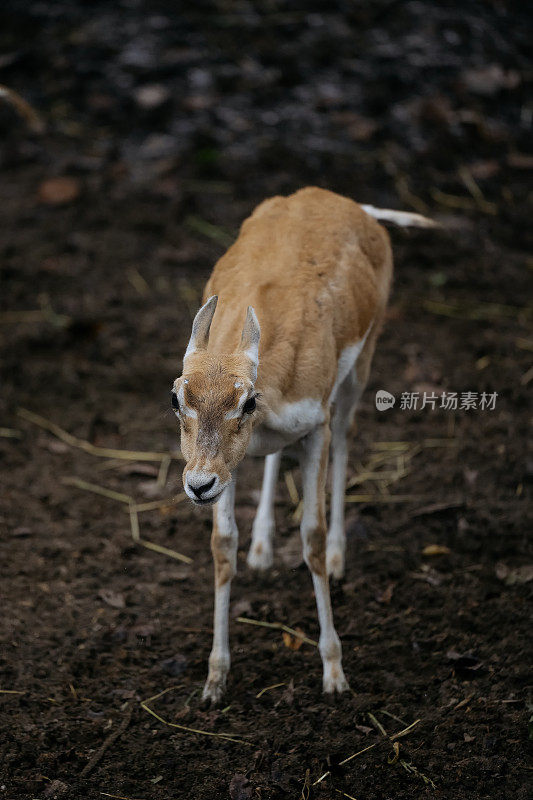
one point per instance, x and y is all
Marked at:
(224, 541)
(260, 555)
(347, 398)
(314, 461)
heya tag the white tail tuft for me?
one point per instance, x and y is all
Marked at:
(406, 219)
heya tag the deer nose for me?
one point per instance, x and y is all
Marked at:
(202, 488)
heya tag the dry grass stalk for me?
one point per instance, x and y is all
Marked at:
(87, 447)
(291, 487)
(10, 433)
(34, 120)
(381, 729)
(34, 316)
(482, 203)
(113, 736)
(390, 476)
(228, 737)
(268, 689)
(278, 626)
(133, 512)
(210, 231)
(453, 200)
(385, 498)
(297, 514)
(95, 489)
(138, 282)
(483, 311)
(345, 794)
(408, 197)
(153, 504)
(162, 475)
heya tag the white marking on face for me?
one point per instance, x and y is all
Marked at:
(185, 409)
(346, 362)
(237, 412)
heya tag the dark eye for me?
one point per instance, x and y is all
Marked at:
(249, 406)
(174, 401)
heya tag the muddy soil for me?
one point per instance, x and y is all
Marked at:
(165, 126)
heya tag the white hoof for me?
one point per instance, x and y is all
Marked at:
(214, 689)
(260, 556)
(334, 680)
(335, 562)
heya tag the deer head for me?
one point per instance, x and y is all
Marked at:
(215, 400)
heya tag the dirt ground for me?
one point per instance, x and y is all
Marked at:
(165, 127)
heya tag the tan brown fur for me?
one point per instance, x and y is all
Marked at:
(317, 271)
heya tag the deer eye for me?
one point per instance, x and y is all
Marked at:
(174, 401)
(249, 406)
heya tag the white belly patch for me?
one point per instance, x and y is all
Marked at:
(292, 422)
(295, 420)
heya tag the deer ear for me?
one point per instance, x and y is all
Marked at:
(251, 333)
(200, 327)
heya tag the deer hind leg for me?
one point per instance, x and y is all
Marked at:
(224, 541)
(347, 399)
(314, 462)
(260, 555)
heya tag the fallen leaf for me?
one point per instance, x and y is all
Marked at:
(293, 642)
(21, 532)
(241, 608)
(111, 598)
(490, 79)
(470, 476)
(55, 789)
(468, 738)
(59, 191)
(435, 550)
(482, 170)
(432, 577)
(514, 575)
(151, 95)
(364, 729)
(465, 665)
(520, 161)
(386, 595)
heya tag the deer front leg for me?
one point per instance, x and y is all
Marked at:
(224, 542)
(260, 555)
(314, 462)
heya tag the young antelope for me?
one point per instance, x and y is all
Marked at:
(310, 276)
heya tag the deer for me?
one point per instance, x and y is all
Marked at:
(277, 360)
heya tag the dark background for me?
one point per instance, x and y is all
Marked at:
(166, 123)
